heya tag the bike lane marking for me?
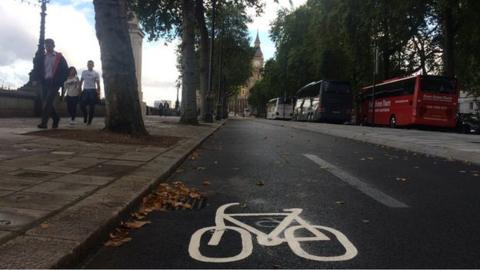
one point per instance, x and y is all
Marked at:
(357, 183)
(271, 239)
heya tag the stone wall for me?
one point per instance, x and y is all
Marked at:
(22, 104)
(17, 104)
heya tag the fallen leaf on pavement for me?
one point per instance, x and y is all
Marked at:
(117, 242)
(200, 168)
(44, 225)
(177, 204)
(194, 195)
(136, 224)
(340, 202)
(138, 215)
(206, 183)
(260, 183)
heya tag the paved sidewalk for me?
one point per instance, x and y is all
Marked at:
(59, 197)
(463, 147)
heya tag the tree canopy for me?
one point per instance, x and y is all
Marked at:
(335, 39)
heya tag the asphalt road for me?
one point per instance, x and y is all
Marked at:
(370, 207)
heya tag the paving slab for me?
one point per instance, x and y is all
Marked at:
(14, 184)
(84, 179)
(36, 201)
(125, 163)
(107, 170)
(15, 219)
(72, 189)
(74, 192)
(35, 252)
(7, 168)
(30, 175)
(4, 192)
(53, 169)
(78, 162)
(138, 156)
(100, 155)
(5, 235)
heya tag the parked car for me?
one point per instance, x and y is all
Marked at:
(468, 123)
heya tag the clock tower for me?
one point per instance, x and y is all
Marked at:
(240, 105)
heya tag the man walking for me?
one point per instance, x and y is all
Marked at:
(91, 92)
(54, 75)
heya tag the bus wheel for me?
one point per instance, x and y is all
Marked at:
(393, 121)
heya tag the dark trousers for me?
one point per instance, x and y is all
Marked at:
(49, 94)
(72, 106)
(89, 98)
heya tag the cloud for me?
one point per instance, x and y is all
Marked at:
(71, 24)
(263, 22)
(18, 39)
(20, 24)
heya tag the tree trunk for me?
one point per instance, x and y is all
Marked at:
(123, 111)
(204, 51)
(189, 99)
(448, 40)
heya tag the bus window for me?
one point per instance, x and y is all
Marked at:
(338, 88)
(288, 101)
(438, 85)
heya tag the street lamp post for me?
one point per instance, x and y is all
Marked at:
(40, 54)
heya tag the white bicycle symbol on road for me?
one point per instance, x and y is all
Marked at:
(271, 239)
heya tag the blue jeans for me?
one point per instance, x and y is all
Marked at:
(89, 97)
(72, 106)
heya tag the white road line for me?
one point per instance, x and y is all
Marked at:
(357, 183)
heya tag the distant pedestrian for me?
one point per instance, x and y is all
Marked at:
(160, 109)
(55, 72)
(73, 90)
(166, 108)
(91, 92)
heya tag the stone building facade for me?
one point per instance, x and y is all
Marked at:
(239, 106)
(136, 38)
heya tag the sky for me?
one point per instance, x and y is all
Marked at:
(71, 24)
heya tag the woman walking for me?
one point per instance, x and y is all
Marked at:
(72, 87)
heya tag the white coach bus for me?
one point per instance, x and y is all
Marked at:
(277, 108)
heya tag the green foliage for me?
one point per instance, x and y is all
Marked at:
(233, 53)
(335, 39)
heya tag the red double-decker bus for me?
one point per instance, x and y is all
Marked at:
(417, 100)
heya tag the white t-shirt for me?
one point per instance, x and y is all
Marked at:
(89, 78)
(49, 64)
(72, 86)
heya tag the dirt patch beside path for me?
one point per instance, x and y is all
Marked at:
(100, 136)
